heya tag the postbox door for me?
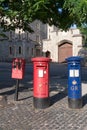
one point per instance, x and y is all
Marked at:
(41, 82)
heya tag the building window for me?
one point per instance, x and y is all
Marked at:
(20, 50)
(10, 50)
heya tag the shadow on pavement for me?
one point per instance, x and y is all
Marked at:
(57, 97)
(21, 99)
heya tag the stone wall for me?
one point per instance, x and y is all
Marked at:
(45, 38)
(59, 37)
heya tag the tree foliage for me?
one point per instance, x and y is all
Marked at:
(61, 13)
(78, 10)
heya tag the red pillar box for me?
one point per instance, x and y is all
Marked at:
(18, 67)
(41, 82)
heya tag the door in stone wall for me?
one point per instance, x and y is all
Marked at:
(64, 51)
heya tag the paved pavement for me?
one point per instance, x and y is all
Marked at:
(21, 114)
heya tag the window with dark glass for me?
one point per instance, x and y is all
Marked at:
(10, 50)
(20, 51)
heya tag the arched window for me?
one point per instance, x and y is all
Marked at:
(10, 50)
(20, 50)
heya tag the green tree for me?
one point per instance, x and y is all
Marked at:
(61, 13)
(78, 10)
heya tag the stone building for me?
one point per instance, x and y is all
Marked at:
(22, 44)
(14, 46)
(45, 41)
(60, 44)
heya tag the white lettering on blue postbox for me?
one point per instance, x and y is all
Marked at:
(76, 73)
(73, 73)
(73, 88)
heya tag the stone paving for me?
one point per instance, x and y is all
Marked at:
(21, 114)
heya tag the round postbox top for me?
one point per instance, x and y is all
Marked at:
(74, 58)
(41, 59)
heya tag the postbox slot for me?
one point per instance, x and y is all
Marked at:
(74, 65)
(41, 66)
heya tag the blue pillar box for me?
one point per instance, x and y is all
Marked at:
(74, 82)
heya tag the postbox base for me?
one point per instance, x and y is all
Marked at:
(41, 103)
(75, 103)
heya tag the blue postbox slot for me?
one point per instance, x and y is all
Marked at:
(74, 81)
